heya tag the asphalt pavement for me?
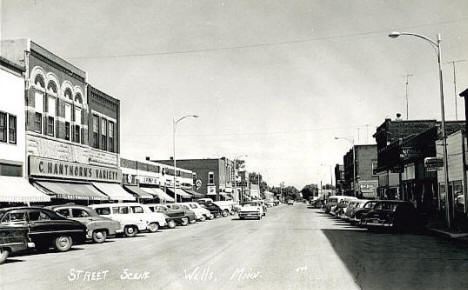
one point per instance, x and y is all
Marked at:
(293, 247)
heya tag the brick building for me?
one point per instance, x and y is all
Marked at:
(364, 182)
(339, 178)
(214, 176)
(60, 160)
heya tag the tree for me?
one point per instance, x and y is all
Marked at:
(309, 191)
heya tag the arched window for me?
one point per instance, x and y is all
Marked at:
(52, 87)
(79, 98)
(39, 81)
(68, 94)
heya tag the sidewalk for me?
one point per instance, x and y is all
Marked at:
(438, 227)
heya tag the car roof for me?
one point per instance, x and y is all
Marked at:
(22, 207)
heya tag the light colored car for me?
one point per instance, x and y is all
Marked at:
(130, 223)
(251, 210)
(227, 207)
(201, 212)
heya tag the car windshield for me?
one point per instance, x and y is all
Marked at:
(332, 200)
(369, 205)
(390, 206)
(193, 206)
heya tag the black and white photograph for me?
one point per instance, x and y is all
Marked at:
(233, 144)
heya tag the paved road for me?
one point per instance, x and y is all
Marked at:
(292, 248)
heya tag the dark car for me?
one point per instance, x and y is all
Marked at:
(393, 214)
(98, 227)
(214, 209)
(359, 212)
(176, 215)
(13, 239)
(187, 212)
(46, 228)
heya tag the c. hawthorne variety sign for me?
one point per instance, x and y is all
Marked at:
(39, 166)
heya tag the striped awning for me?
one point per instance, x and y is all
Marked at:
(180, 192)
(159, 193)
(114, 191)
(18, 189)
(139, 192)
(194, 193)
(73, 191)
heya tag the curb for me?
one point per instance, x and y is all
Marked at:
(448, 234)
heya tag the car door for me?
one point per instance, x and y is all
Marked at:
(41, 223)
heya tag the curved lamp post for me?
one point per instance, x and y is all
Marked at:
(174, 125)
(354, 161)
(436, 45)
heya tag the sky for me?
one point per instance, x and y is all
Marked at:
(273, 80)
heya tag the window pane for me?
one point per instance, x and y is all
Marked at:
(3, 127)
(38, 122)
(78, 116)
(104, 127)
(95, 124)
(111, 129)
(51, 106)
(39, 102)
(50, 126)
(12, 129)
(76, 212)
(67, 131)
(68, 112)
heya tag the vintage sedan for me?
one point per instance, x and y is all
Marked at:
(188, 213)
(251, 210)
(201, 213)
(214, 209)
(13, 239)
(360, 211)
(46, 228)
(130, 224)
(98, 227)
(175, 215)
(393, 214)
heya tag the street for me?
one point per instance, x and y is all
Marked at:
(293, 247)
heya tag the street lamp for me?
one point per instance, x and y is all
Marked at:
(174, 124)
(436, 45)
(235, 174)
(354, 162)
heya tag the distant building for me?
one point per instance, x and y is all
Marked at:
(214, 177)
(339, 178)
(364, 182)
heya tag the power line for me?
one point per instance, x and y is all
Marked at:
(265, 44)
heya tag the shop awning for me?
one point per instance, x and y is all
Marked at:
(18, 189)
(194, 193)
(180, 192)
(65, 190)
(139, 192)
(159, 193)
(114, 191)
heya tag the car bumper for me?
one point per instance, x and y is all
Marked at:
(374, 223)
(247, 215)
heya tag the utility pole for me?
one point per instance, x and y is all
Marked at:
(453, 62)
(406, 95)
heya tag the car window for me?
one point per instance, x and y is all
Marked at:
(38, 215)
(103, 211)
(78, 213)
(175, 207)
(193, 206)
(14, 217)
(332, 200)
(151, 208)
(122, 210)
(63, 212)
(137, 209)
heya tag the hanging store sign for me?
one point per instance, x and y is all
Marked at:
(44, 167)
(433, 163)
(211, 190)
(148, 180)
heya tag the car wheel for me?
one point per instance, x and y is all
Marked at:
(225, 213)
(153, 227)
(99, 236)
(202, 218)
(184, 221)
(130, 231)
(4, 253)
(63, 243)
(171, 224)
(217, 215)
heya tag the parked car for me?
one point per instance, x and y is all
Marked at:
(179, 216)
(393, 214)
(202, 213)
(340, 209)
(46, 228)
(251, 209)
(130, 224)
(214, 209)
(260, 203)
(356, 215)
(290, 202)
(98, 227)
(13, 238)
(332, 201)
(188, 213)
(227, 206)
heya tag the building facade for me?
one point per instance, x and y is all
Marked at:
(364, 182)
(59, 158)
(214, 177)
